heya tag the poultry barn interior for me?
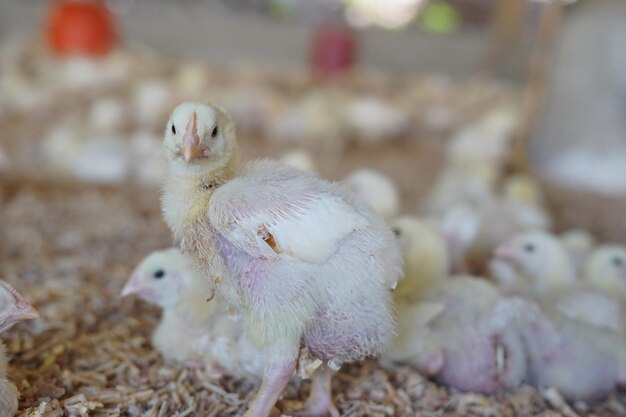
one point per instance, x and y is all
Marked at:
(478, 145)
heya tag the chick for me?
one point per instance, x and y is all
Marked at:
(448, 333)
(192, 314)
(299, 159)
(579, 243)
(583, 362)
(552, 280)
(328, 292)
(442, 331)
(376, 190)
(426, 257)
(371, 120)
(13, 308)
(542, 261)
(605, 270)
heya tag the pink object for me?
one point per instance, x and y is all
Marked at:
(333, 51)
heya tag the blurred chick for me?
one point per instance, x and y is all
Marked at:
(605, 270)
(371, 120)
(193, 315)
(299, 159)
(304, 262)
(579, 243)
(448, 334)
(376, 190)
(542, 261)
(553, 281)
(444, 322)
(13, 308)
(583, 362)
(425, 255)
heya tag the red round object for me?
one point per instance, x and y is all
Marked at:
(333, 51)
(80, 27)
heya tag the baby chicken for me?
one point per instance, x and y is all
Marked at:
(305, 263)
(376, 190)
(191, 313)
(442, 331)
(426, 258)
(552, 280)
(13, 308)
(583, 362)
(448, 333)
(299, 159)
(605, 270)
(542, 260)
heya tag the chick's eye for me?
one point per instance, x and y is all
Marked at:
(617, 261)
(173, 129)
(158, 274)
(396, 231)
(214, 132)
(529, 247)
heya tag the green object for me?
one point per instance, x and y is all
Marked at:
(440, 17)
(280, 9)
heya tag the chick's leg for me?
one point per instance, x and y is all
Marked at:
(275, 379)
(320, 401)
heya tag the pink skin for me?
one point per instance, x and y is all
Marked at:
(320, 400)
(275, 379)
(134, 286)
(192, 145)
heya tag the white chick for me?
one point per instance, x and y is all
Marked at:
(371, 120)
(109, 115)
(299, 159)
(583, 362)
(579, 243)
(552, 279)
(102, 159)
(328, 292)
(313, 120)
(195, 326)
(449, 334)
(542, 260)
(70, 150)
(13, 308)
(456, 186)
(485, 142)
(152, 100)
(376, 190)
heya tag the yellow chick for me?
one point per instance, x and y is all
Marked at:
(425, 254)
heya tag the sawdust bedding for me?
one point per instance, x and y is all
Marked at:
(69, 248)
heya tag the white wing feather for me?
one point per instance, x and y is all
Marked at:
(306, 219)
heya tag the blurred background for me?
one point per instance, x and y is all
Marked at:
(405, 87)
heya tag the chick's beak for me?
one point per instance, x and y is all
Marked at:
(192, 147)
(26, 312)
(132, 286)
(506, 251)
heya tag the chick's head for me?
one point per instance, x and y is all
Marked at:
(198, 137)
(606, 268)
(161, 278)
(540, 256)
(13, 307)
